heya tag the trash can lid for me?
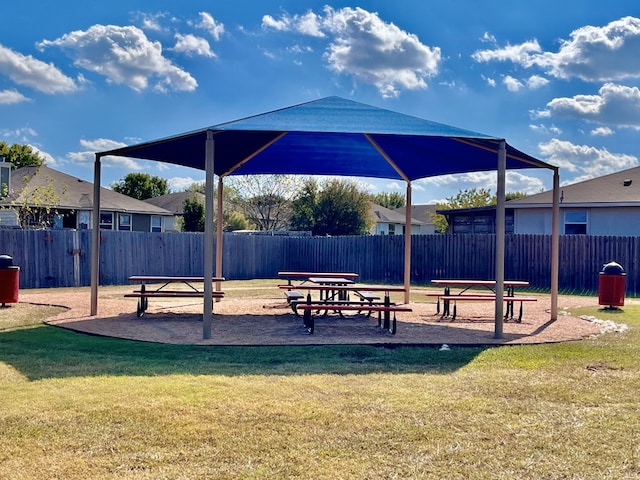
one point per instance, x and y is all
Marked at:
(612, 268)
(6, 261)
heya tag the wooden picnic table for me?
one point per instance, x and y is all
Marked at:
(307, 275)
(159, 286)
(464, 295)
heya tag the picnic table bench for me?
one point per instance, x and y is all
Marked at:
(472, 296)
(160, 289)
(367, 295)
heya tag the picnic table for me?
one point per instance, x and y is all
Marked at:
(305, 276)
(165, 286)
(334, 297)
(464, 294)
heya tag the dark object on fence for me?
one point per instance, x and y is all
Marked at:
(9, 280)
(611, 285)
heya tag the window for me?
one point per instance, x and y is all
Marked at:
(124, 222)
(575, 223)
(5, 179)
(156, 223)
(392, 229)
(106, 220)
(84, 220)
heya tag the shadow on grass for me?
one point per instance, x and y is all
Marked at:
(49, 352)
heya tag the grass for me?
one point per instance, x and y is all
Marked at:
(76, 406)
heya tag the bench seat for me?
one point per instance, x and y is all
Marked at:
(485, 298)
(144, 295)
(388, 323)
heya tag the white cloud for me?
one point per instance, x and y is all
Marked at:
(540, 128)
(87, 156)
(180, 184)
(515, 182)
(522, 54)
(490, 81)
(615, 104)
(584, 160)
(9, 97)
(602, 132)
(365, 47)
(536, 81)
(208, 23)
(124, 55)
(282, 25)
(591, 53)
(512, 84)
(47, 157)
(394, 186)
(151, 21)
(36, 74)
(192, 45)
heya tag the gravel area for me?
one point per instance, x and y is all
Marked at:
(268, 321)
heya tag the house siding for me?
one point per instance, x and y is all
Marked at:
(611, 221)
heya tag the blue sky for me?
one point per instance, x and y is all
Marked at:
(558, 80)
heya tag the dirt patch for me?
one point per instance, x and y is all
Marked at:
(269, 321)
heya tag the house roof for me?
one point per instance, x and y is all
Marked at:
(384, 215)
(174, 202)
(420, 212)
(616, 189)
(70, 192)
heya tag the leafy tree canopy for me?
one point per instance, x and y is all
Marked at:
(20, 155)
(141, 186)
(391, 200)
(337, 207)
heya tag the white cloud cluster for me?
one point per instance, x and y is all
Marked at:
(211, 25)
(367, 48)
(592, 53)
(515, 182)
(8, 97)
(615, 105)
(124, 55)
(191, 45)
(87, 156)
(584, 160)
(30, 72)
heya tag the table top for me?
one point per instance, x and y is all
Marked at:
(350, 288)
(331, 280)
(318, 274)
(161, 278)
(512, 283)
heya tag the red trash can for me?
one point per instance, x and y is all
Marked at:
(9, 280)
(611, 285)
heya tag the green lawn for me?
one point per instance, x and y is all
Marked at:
(78, 407)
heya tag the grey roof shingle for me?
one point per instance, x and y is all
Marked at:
(174, 202)
(620, 189)
(72, 192)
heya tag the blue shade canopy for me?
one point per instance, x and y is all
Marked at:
(334, 136)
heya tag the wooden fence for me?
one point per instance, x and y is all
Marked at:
(62, 258)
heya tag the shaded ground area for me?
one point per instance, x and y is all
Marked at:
(268, 321)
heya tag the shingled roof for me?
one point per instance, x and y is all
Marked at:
(616, 189)
(72, 192)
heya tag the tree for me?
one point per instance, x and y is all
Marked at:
(338, 207)
(192, 215)
(20, 155)
(141, 186)
(37, 207)
(265, 200)
(303, 207)
(232, 219)
(391, 200)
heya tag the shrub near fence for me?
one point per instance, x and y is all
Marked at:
(62, 258)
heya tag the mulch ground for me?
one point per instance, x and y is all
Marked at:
(268, 321)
